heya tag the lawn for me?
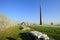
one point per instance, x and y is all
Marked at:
(50, 31)
(14, 33)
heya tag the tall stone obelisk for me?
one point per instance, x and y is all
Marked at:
(40, 16)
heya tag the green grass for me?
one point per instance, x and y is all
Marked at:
(15, 33)
(50, 31)
(12, 32)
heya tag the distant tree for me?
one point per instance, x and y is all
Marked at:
(52, 23)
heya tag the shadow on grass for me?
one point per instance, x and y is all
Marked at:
(10, 38)
(20, 28)
(24, 36)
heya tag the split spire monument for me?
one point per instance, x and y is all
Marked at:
(40, 16)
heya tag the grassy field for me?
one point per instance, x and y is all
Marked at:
(14, 33)
(53, 32)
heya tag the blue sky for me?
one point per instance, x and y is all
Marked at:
(28, 10)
